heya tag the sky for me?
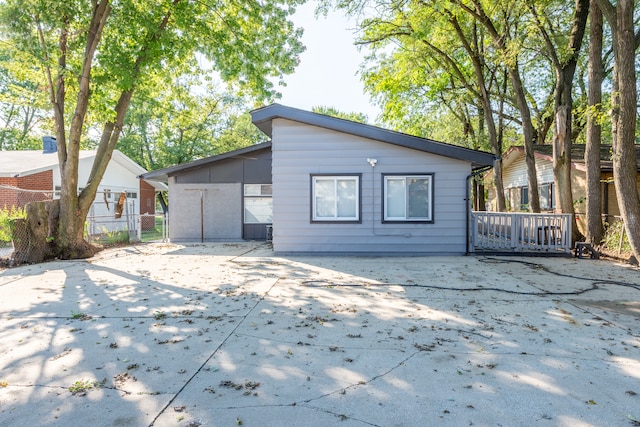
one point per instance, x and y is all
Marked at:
(326, 75)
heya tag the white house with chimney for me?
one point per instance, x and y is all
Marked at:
(32, 175)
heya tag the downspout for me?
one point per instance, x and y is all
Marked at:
(467, 252)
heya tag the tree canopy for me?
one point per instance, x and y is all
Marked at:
(492, 73)
(332, 111)
(93, 56)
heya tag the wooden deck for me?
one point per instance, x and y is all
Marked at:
(520, 232)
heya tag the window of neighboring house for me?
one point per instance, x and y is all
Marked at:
(546, 196)
(524, 198)
(57, 190)
(258, 204)
(132, 195)
(408, 198)
(335, 198)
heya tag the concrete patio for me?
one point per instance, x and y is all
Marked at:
(229, 334)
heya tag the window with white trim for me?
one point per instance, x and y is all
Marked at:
(408, 198)
(335, 198)
(258, 204)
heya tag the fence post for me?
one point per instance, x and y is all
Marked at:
(474, 230)
(515, 224)
(165, 227)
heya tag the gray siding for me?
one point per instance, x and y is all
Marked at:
(300, 150)
(221, 208)
(222, 185)
(253, 168)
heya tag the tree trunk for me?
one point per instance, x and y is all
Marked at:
(69, 240)
(480, 199)
(562, 156)
(528, 132)
(499, 185)
(594, 132)
(562, 142)
(32, 237)
(624, 114)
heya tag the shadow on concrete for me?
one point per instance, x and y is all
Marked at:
(224, 334)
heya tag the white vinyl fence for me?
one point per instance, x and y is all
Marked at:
(520, 232)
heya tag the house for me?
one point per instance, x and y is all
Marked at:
(33, 175)
(220, 198)
(327, 185)
(516, 187)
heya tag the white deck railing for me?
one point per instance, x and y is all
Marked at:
(520, 232)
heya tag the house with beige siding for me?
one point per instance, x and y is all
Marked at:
(516, 186)
(332, 186)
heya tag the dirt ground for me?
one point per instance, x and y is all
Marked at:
(229, 334)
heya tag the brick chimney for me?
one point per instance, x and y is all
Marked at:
(49, 145)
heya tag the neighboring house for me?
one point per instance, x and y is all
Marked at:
(327, 185)
(516, 187)
(29, 175)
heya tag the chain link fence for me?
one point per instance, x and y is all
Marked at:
(12, 208)
(616, 242)
(112, 219)
(133, 227)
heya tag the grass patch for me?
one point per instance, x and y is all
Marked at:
(615, 240)
(81, 387)
(154, 233)
(112, 238)
(79, 316)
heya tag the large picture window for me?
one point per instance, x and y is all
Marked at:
(335, 198)
(408, 198)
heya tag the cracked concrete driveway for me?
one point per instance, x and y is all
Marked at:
(228, 334)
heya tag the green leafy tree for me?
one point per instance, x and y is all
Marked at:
(239, 131)
(23, 102)
(95, 54)
(334, 112)
(183, 119)
(433, 59)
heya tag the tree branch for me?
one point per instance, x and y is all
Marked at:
(57, 89)
(111, 130)
(545, 36)
(609, 12)
(101, 12)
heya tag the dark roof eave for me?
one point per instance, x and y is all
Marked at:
(264, 116)
(163, 174)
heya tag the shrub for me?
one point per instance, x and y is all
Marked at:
(6, 215)
(612, 238)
